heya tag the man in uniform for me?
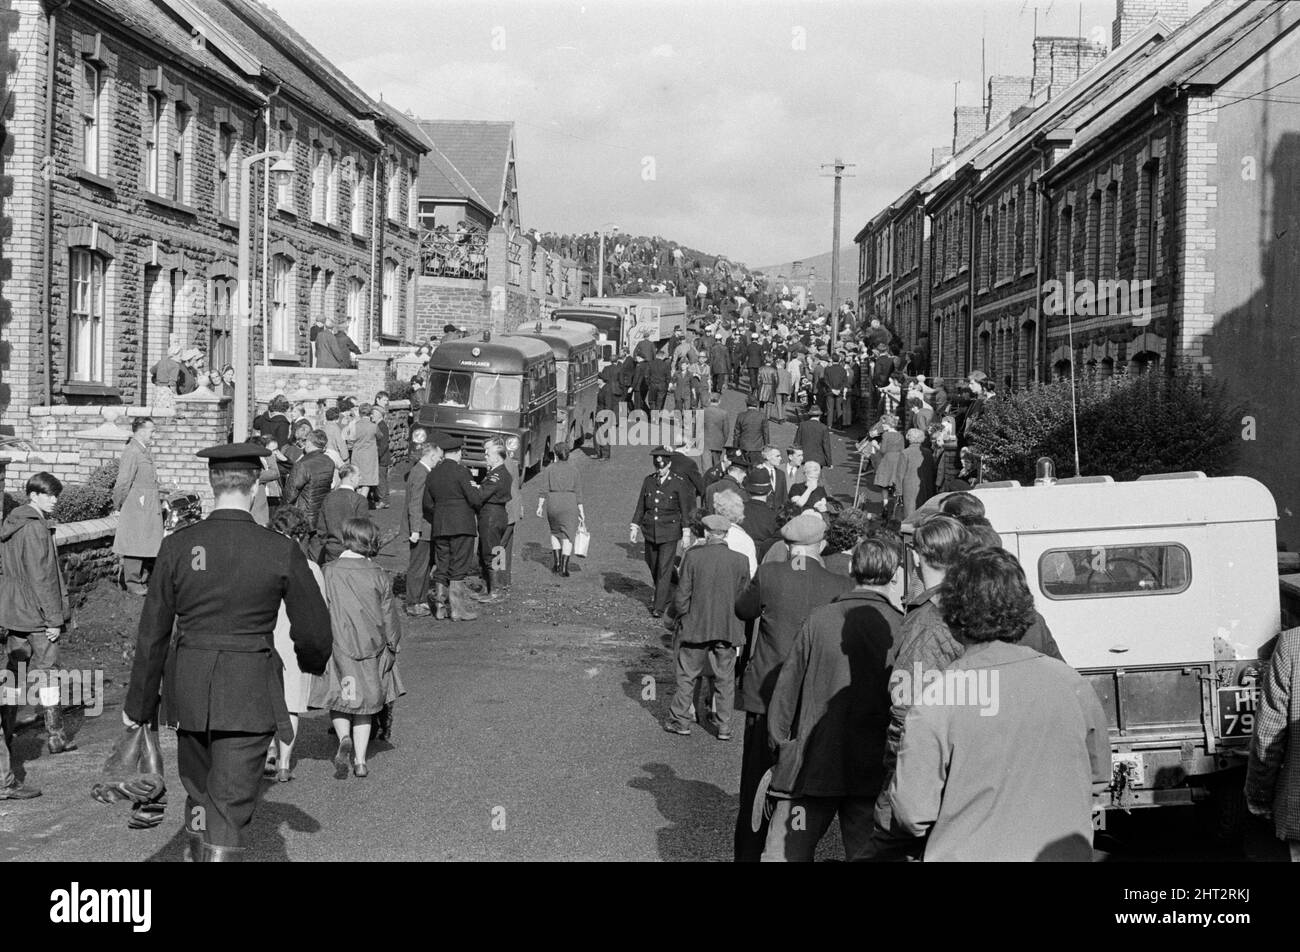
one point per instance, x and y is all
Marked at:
(450, 502)
(219, 583)
(495, 490)
(663, 514)
(733, 478)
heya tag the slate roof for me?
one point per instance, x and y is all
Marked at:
(468, 153)
(299, 66)
(150, 20)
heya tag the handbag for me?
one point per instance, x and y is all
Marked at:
(134, 769)
(581, 542)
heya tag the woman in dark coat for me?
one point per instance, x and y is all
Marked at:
(561, 499)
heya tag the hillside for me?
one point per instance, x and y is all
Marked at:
(634, 262)
(821, 264)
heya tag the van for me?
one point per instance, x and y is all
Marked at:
(1163, 593)
(503, 387)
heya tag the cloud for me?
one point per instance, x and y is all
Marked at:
(663, 49)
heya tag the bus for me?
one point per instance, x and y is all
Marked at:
(577, 362)
(502, 386)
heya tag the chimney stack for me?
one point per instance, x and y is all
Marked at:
(1005, 93)
(1060, 60)
(968, 124)
(939, 156)
(1132, 15)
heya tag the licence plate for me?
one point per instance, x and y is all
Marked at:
(1237, 710)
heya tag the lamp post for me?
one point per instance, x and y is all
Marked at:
(600, 272)
(244, 318)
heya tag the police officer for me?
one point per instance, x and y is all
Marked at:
(451, 501)
(496, 489)
(220, 583)
(663, 514)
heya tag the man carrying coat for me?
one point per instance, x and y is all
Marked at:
(781, 595)
(216, 594)
(451, 501)
(139, 521)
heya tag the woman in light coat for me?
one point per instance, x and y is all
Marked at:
(365, 451)
(140, 521)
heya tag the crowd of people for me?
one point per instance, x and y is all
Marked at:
(796, 604)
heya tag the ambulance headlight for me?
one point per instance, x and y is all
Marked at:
(419, 436)
(512, 445)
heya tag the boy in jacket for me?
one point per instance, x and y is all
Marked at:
(33, 599)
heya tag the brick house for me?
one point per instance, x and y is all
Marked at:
(125, 175)
(1181, 177)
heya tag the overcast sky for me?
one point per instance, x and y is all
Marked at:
(703, 121)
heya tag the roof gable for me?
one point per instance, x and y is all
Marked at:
(479, 155)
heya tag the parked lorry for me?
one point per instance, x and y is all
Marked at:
(1163, 593)
(623, 322)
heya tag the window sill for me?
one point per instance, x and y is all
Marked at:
(1002, 283)
(90, 178)
(79, 388)
(171, 205)
(334, 230)
(286, 358)
(285, 212)
(389, 340)
(227, 222)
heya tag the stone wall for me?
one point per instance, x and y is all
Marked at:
(72, 442)
(441, 301)
(86, 553)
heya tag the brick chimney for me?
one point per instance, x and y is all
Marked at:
(939, 156)
(1060, 60)
(1132, 15)
(968, 124)
(1005, 93)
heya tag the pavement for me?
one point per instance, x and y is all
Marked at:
(532, 733)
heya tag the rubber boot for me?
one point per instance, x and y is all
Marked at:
(460, 604)
(221, 854)
(440, 600)
(57, 738)
(485, 596)
(564, 566)
(555, 563)
(193, 848)
(491, 595)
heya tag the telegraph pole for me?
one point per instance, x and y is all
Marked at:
(839, 166)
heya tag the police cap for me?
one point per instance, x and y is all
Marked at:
(447, 443)
(234, 456)
(738, 458)
(661, 451)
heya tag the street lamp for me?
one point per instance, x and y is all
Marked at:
(600, 273)
(281, 168)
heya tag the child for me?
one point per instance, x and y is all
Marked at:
(344, 502)
(888, 477)
(890, 395)
(33, 599)
(361, 678)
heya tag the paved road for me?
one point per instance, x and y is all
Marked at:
(531, 734)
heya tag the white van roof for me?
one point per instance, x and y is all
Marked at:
(1172, 499)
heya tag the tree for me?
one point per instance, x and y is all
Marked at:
(1129, 426)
